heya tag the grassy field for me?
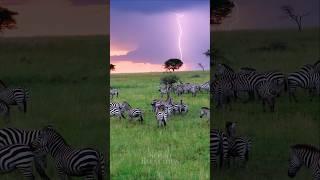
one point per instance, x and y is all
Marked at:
(67, 80)
(291, 123)
(144, 151)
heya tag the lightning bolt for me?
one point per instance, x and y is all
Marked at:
(179, 16)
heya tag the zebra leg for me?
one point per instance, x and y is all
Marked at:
(40, 164)
(26, 170)
(62, 175)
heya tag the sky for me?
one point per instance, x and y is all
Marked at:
(145, 33)
(58, 17)
(258, 14)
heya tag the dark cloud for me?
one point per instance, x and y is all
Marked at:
(155, 6)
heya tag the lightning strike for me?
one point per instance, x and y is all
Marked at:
(179, 16)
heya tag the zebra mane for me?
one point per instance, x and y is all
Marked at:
(305, 147)
(205, 108)
(227, 67)
(52, 131)
(248, 69)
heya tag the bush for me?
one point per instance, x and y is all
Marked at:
(169, 79)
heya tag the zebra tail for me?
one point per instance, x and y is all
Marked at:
(164, 121)
(100, 167)
(141, 118)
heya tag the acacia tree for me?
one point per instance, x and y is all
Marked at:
(297, 18)
(220, 9)
(112, 67)
(173, 64)
(7, 20)
(201, 66)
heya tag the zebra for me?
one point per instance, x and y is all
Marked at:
(302, 154)
(205, 86)
(70, 161)
(239, 147)
(194, 89)
(162, 116)
(305, 78)
(16, 96)
(179, 90)
(4, 110)
(114, 92)
(12, 136)
(268, 91)
(223, 92)
(205, 112)
(18, 156)
(132, 112)
(219, 144)
(116, 110)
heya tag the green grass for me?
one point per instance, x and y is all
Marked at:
(66, 77)
(179, 151)
(292, 123)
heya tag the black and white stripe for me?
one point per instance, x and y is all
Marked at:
(268, 91)
(116, 110)
(16, 96)
(12, 136)
(132, 112)
(70, 161)
(162, 116)
(17, 156)
(239, 147)
(205, 112)
(218, 147)
(307, 155)
(114, 92)
(306, 78)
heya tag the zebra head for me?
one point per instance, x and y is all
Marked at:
(42, 142)
(295, 163)
(223, 69)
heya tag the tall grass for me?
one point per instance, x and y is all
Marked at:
(66, 77)
(179, 151)
(291, 123)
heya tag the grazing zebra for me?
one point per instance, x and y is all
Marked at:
(239, 147)
(302, 154)
(18, 156)
(179, 90)
(162, 116)
(205, 112)
(4, 110)
(12, 136)
(132, 112)
(305, 78)
(70, 161)
(15, 96)
(205, 86)
(114, 92)
(116, 111)
(194, 89)
(223, 92)
(268, 91)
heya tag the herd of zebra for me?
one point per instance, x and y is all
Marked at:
(24, 149)
(162, 109)
(228, 85)
(226, 145)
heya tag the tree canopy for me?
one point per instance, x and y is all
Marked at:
(173, 64)
(112, 67)
(220, 9)
(6, 19)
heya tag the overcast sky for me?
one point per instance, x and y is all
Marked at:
(144, 33)
(266, 14)
(59, 17)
